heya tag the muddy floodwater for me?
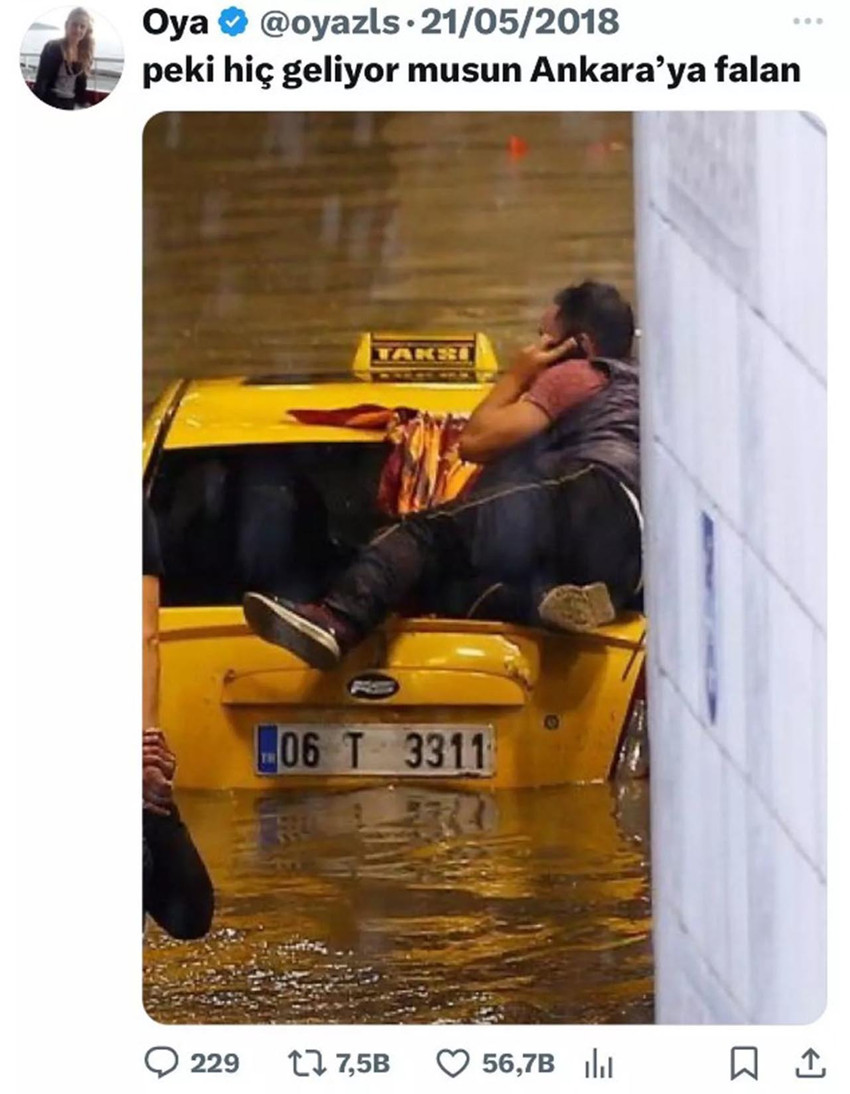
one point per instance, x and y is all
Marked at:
(272, 240)
(407, 905)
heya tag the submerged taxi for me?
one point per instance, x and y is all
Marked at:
(269, 482)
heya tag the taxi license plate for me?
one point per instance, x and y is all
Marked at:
(414, 750)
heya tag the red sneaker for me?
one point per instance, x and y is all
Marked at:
(311, 631)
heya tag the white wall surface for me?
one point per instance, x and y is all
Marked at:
(731, 216)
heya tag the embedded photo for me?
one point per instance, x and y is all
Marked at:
(472, 447)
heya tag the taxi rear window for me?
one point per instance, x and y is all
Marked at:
(279, 518)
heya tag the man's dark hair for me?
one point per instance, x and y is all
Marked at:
(600, 311)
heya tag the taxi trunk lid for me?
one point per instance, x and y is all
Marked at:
(421, 663)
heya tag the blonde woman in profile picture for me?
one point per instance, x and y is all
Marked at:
(65, 64)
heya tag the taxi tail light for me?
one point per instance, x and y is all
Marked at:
(631, 760)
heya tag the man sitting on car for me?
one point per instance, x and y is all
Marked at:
(550, 530)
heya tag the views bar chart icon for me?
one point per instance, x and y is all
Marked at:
(594, 1068)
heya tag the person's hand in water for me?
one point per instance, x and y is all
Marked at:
(158, 766)
(156, 753)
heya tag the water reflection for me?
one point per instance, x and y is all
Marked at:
(272, 239)
(409, 905)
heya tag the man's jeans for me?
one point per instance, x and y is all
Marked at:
(575, 529)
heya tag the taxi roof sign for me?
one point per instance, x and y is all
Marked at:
(425, 358)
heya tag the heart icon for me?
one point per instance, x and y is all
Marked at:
(453, 1061)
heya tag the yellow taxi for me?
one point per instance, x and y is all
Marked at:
(243, 472)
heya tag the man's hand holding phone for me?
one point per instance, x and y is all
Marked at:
(540, 355)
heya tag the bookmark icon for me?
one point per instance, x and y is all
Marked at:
(745, 1062)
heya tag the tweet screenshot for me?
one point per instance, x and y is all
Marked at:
(478, 356)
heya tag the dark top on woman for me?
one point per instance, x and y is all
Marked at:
(56, 79)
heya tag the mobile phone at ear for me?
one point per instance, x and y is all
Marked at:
(583, 343)
(579, 351)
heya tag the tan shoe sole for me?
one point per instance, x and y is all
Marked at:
(578, 608)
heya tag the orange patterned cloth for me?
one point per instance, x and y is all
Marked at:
(362, 416)
(423, 468)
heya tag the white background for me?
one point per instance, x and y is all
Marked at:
(71, 549)
(731, 212)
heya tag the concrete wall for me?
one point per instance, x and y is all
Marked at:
(731, 220)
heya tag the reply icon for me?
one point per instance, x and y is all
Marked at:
(745, 1061)
(161, 1060)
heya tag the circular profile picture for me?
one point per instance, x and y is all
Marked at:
(71, 58)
